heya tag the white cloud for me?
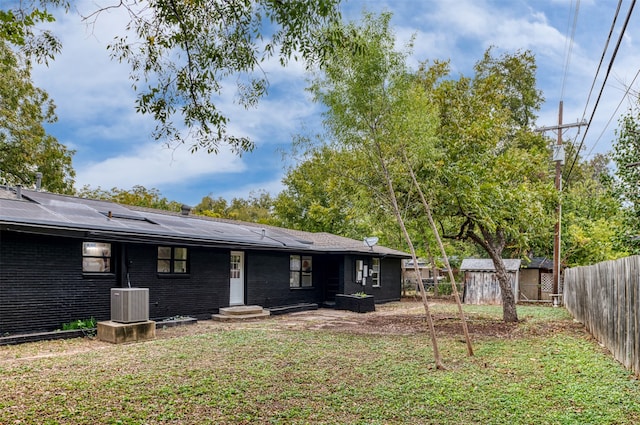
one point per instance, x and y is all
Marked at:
(150, 166)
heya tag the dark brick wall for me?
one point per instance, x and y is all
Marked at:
(198, 293)
(267, 280)
(42, 285)
(390, 278)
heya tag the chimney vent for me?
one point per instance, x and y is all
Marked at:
(19, 191)
(185, 209)
(38, 181)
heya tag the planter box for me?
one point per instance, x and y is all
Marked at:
(355, 303)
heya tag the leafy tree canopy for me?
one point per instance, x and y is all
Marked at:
(256, 209)
(183, 53)
(137, 196)
(626, 156)
(592, 215)
(25, 147)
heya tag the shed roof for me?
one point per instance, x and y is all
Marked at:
(486, 264)
(540, 263)
(46, 212)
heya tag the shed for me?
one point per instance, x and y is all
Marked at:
(536, 280)
(481, 283)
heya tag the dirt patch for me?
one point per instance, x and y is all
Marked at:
(401, 318)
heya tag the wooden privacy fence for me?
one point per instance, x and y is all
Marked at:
(605, 297)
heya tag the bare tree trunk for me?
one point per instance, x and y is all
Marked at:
(454, 287)
(423, 293)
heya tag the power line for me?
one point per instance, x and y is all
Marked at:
(604, 51)
(624, 96)
(595, 107)
(569, 49)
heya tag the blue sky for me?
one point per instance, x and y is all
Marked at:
(95, 102)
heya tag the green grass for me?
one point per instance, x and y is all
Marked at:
(266, 375)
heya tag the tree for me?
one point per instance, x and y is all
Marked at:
(362, 92)
(183, 53)
(18, 28)
(25, 147)
(593, 215)
(492, 184)
(626, 156)
(256, 209)
(138, 196)
(320, 195)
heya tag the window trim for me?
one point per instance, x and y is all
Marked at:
(173, 260)
(379, 272)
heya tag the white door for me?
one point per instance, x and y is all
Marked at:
(236, 278)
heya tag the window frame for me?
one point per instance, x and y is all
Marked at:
(106, 257)
(172, 260)
(300, 271)
(376, 275)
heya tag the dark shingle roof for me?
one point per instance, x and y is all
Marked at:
(38, 210)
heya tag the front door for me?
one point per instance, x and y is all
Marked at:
(236, 278)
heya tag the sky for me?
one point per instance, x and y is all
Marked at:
(113, 146)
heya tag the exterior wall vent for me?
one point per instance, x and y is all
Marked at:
(129, 305)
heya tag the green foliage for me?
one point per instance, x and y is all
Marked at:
(25, 147)
(189, 50)
(592, 216)
(137, 196)
(80, 324)
(320, 196)
(626, 156)
(256, 209)
(19, 27)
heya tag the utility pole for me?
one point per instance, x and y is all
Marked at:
(558, 157)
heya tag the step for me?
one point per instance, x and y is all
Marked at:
(239, 318)
(241, 310)
(294, 308)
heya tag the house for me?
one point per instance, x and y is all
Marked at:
(536, 280)
(61, 255)
(425, 273)
(481, 283)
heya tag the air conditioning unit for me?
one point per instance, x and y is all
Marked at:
(129, 305)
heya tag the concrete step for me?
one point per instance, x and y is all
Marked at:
(240, 312)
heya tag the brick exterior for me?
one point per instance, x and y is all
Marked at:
(42, 284)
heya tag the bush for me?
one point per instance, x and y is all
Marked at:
(444, 288)
(80, 324)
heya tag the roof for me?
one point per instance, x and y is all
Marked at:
(540, 263)
(486, 264)
(43, 212)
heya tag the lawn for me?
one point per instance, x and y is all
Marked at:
(544, 370)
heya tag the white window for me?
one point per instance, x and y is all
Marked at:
(375, 271)
(236, 263)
